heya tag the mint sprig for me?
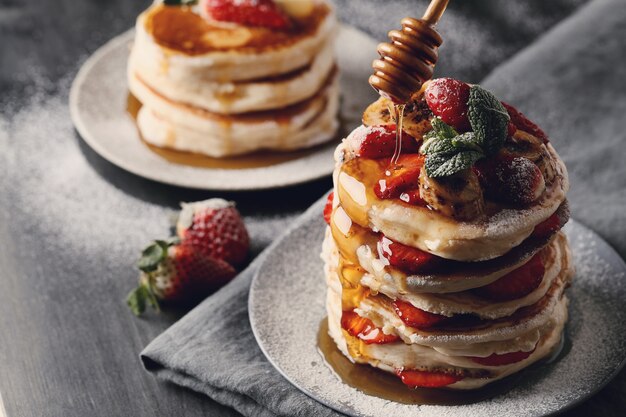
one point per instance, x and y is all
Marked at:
(448, 152)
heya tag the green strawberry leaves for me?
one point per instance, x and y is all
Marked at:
(488, 119)
(153, 255)
(448, 152)
(179, 2)
(140, 297)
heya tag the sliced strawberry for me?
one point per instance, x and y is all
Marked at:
(406, 258)
(523, 123)
(413, 197)
(517, 283)
(547, 227)
(503, 359)
(264, 13)
(328, 208)
(447, 98)
(416, 317)
(364, 329)
(403, 177)
(426, 379)
(515, 180)
(380, 142)
(510, 129)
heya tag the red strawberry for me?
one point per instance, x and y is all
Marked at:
(176, 273)
(510, 129)
(264, 13)
(426, 379)
(328, 208)
(503, 359)
(364, 329)
(403, 177)
(215, 228)
(380, 142)
(515, 180)
(522, 123)
(416, 317)
(408, 259)
(517, 283)
(447, 98)
(413, 197)
(547, 227)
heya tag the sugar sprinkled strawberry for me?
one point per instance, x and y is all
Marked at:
(547, 227)
(328, 207)
(406, 258)
(214, 228)
(496, 359)
(263, 13)
(416, 317)
(377, 142)
(426, 379)
(515, 180)
(364, 329)
(176, 274)
(448, 98)
(517, 283)
(402, 178)
(521, 122)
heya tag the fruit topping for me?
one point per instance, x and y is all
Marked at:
(416, 121)
(328, 207)
(426, 379)
(459, 195)
(215, 229)
(502, 359)
(364, 329)
(263, 13)
(177, 274)
(517, 283)
(380, 142)
(522, 123)
(416, 317)
(448, 98)
(406, 258)
(413, 198)
(404, 176)
(547, 227)
(515, 180)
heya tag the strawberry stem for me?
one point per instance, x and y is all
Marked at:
(141, 296)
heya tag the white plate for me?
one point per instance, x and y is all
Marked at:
(287, 304)
(98, 106)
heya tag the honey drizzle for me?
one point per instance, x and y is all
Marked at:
(398, 110)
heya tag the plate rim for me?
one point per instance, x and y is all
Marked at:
(89, 137)
(253, 322)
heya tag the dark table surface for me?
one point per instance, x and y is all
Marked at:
(68, 346)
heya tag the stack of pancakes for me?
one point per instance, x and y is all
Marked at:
(222, 89)
(469, 337)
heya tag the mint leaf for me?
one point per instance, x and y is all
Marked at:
(488, 118)
(443, 165)
(442, 129)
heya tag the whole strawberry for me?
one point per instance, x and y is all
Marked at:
(215, 229)
(264, 13)
(448, 98)
(176, 274)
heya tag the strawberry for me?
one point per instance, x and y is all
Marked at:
(416, 317)
(403, 177)
(547, 227)
(515, 284)
(413, 198)
(503, 359)
(177, 274)
(447, 98)
(406, 258)
(328, 208)
(426, 379)
(380, 142)
(515, 180)
(214, 228)
(521, 122)
(264, 13)
(364, 329)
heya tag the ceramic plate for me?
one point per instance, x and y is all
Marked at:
(595, 342)
(98, 102)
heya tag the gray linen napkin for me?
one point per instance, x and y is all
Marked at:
(571, 83)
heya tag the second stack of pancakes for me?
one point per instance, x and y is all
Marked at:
(449, 291)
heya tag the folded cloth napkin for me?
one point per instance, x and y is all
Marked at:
(572, 83)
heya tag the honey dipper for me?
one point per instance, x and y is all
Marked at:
(409, 59)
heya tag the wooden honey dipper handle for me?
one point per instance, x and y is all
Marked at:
(409, 59)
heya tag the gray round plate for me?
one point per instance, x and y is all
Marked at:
(98, 107)
(288, 337)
